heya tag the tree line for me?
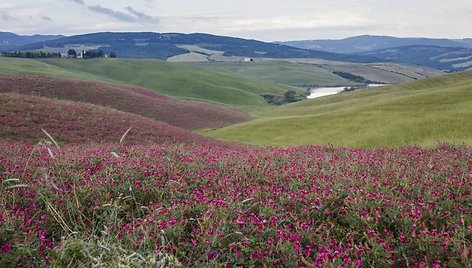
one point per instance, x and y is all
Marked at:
(32, 54)
(71, 53)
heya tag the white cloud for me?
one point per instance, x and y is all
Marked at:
(262, 19)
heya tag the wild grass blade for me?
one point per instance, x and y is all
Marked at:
(17, 186)
(50, 153)
(51, 138)
(124, 135)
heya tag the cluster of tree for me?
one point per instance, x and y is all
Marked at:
(90, 54)
(287, 97)
(32, 54)
(353, 77)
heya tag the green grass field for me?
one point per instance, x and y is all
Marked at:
(389, 73)
(421, 113)
(182, 81)
(282, 72)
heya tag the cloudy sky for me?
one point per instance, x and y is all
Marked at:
(267, 20)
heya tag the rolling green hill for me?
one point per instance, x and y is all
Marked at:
(422, 113)
(182, 81)
(387, 73)
(283, 72)
(305, 72)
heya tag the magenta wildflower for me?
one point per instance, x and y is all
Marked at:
(240, 222)
(6, 248)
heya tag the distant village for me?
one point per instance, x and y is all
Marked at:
(71, 53)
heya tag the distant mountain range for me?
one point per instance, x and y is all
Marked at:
(449, 55)
(11, 41)
(442, 54)
(365, 43)
(165, 45)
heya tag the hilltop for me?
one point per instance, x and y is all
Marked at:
(11, 41)
(422, 113)
(140, 101)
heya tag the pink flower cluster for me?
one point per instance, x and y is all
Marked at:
(243, 206)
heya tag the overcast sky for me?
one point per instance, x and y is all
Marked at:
(267, 20)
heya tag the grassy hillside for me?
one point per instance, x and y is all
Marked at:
(384, 72)
(23, 116)
(389, 73)
(183, 81)
(141, 101)
(35, 67)
(283, 72)
(416, 113)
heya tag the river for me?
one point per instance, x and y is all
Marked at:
(326, 91)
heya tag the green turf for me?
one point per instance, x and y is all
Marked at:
(421, 113)
(283, 72)
(35, 67)
(183, 81)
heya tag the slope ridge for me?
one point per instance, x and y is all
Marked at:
(23, 117)
(141, 101)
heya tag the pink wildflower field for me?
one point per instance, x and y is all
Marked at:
(134, 100)
(234, 206)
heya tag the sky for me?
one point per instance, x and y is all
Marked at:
(267, 20)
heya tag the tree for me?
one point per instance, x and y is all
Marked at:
(112, 55)
(290, 96)
(72, 53)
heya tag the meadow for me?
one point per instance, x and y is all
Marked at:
(389, 73)
(282, 72)
(178, 80)
(226, 206)
(423, 112)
